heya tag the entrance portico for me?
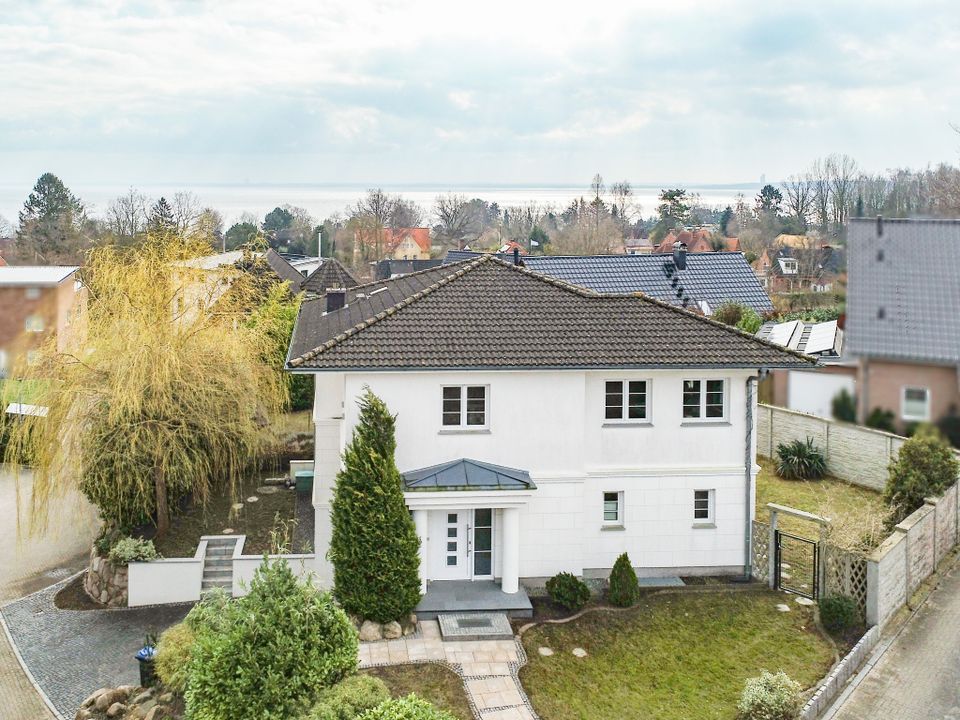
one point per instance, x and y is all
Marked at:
(467, 516)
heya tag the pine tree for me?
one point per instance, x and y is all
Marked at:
(623, 583)
(374, 546)
(161, 219)
(51, 222)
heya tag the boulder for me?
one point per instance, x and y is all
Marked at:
(153, 714)
(92, 698)
(83, 714)
(392, 630)
(142, 697)
(116, 710)
(106, 699)
(370, 631)
(166, 698)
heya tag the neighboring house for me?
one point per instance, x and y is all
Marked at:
(637, 246)
(542, 427)
(698, 240)
(330, 274)
(392, 268)
(800, 269)
(704, 282)
(394, 243)
(902, 321)
(35, 303)
(510, 246)
(2, 261)
(285, 270)
(201, 281)
(809, 390)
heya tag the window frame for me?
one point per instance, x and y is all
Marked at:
(711, 519)
(703, 392)
(624, 418)
(463, 426)
(39, 320)
(618, 522)
(903, 404)
(32, 292)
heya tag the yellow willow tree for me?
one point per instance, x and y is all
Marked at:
(167, 391)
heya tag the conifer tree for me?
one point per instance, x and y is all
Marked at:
(623, 583)
(374, 546)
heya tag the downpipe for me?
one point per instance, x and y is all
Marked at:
(748, 484)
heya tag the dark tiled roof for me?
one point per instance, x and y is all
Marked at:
(711, 277)
(284, 270)
(486, 313)
(389, 268)
(467, 474)
(330, 274)
(903, 290)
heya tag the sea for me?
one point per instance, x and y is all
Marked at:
(323, 201)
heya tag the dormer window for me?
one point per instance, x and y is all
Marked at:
(789, 266)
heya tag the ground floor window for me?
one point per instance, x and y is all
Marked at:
(916, 404)
(613, 508)
(703, 506)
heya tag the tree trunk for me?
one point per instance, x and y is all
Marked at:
(163, 512)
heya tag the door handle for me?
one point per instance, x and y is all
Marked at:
(469, 540)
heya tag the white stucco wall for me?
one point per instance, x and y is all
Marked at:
(551, 423)
(812, 392)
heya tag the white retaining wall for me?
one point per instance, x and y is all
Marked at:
(166, 581)
(854, 453)
(246, 565)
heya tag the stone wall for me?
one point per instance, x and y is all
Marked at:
(839, 675)
(856, 454)
(105, 582)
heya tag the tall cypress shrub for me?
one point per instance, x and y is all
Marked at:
(374, 546)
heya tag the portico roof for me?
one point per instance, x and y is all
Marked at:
(466, 474)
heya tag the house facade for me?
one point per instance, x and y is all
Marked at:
(35, 303)
(577, 427)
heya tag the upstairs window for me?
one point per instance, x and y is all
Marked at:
(704, 400)
(465, 406)
(626, 400)
(916, 404)
(33, 323)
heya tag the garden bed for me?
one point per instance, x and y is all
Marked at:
(432, 682)
(672, 656)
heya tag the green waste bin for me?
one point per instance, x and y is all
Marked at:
(303, 480)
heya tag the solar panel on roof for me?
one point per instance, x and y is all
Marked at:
(822, 337)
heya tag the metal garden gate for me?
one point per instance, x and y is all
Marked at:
(797, 565)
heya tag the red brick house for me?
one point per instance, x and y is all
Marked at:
(697, 241)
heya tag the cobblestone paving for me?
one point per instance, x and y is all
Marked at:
(72, 653)
(918, 677)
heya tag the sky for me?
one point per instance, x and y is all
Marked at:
(498, 92)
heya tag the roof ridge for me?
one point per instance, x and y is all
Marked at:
(393, 309)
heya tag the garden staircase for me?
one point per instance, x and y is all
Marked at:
(218, 564)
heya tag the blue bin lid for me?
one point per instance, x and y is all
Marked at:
(146, 653)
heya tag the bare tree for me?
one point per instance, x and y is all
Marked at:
(209, 225)
(370, 216)
(944, 189)
(800, 196)
(406, 214)
(623, 202)
(127, 215)
(186, 209)
(458, 220)
(820, 177)
(843, 173)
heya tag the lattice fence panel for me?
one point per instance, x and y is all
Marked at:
(760, 543)
(845, 574)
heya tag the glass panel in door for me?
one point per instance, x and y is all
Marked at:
(483, 542)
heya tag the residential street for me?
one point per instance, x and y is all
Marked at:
(918, 677)
(30, 563)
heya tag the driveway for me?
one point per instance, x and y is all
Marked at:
(30, 562)
(918, 677)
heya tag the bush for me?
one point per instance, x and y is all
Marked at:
(173, 656)
(925, 467)
(623, 583)
(301, 391)
(350, 698)
(408, 708)
(800, 460)
(949, 426)
(839, 613)
(769, 697)
(568, 591)
(729, 313)
(260, 657)
(374, 546)
(127, 550)
(844, 407)
(880, 419)
(749, 321)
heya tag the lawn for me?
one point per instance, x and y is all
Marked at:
(673, 656)
(857, 513)
(432, 682)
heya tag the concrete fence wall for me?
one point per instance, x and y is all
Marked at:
(854, 453)
(245, 566)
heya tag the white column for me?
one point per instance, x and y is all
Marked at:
(510, 580)
(420, 522)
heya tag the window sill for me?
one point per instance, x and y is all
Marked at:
(464, 431)
(626, 423)
(709, 423)
(704, 526)
(612, 528)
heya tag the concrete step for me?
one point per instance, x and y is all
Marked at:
(220, 551)
(216, 574)
(220, 562)
(210, 584)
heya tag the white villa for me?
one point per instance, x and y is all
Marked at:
(542, 427)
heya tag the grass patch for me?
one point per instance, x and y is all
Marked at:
(671, 657)
(257, 520)
(17, 391)
(434, 683)
(857, 513)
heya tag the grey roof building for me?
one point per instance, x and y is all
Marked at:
(487, 313)
(330, 274)
(707, 281)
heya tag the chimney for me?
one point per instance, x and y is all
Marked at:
(879, 226)
(516, 256)
(336, 298)
(680, 255)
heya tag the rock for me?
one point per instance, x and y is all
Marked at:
(126, 689)
(357, 622)
(783, 607)
(412, 619)
(166, 698)
(116, 710)
(268, 489)
(228, 531)
(392, 630)
(545, 651)
(252, 499)
(805, 601)
(370, 631)
(154, 714)
(409, 630)
(579, 652)
(147, 706)
(106, 700)
(236, 506)
(142, 697)
(82, 714)
(92, 698)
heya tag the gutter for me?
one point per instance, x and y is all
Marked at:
(748, 484)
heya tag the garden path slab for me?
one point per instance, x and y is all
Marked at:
(71, 653)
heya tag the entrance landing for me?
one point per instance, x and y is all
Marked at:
(465, 596)
(475, 626)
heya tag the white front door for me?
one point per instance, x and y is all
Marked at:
(461, 544)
